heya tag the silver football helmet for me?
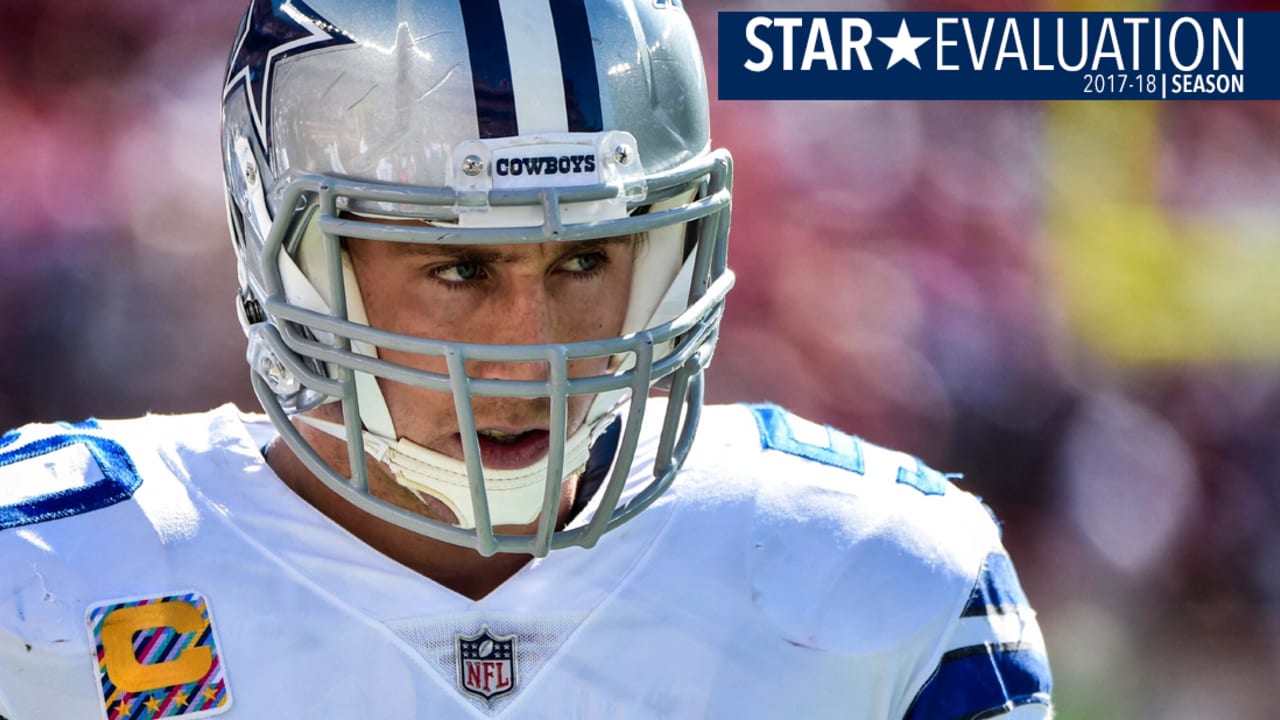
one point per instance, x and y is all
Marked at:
(482, 122)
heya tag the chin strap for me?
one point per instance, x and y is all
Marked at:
(515, 496)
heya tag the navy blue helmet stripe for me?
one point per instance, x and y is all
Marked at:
(490, 68)
(997, 590)
(577, 66)
(983, 682)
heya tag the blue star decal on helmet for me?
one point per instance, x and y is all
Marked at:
(272, 31)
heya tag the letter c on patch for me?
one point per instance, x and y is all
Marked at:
(122, 664)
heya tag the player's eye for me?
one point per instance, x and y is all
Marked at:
(460, 272)
(587, 263)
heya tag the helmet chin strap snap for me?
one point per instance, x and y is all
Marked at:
(515, 496)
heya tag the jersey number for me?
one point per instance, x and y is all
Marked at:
(781, 430)
(118, 482)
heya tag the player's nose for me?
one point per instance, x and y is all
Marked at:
(523, 318)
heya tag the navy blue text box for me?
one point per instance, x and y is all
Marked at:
(999, 56)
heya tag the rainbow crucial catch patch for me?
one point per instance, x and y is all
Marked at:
(157, 657)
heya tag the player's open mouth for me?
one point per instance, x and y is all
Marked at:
(499, 436)
(505, 449)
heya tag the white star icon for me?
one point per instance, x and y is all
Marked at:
(904, 46)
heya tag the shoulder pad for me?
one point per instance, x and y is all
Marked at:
(857, 557)
(79, 524)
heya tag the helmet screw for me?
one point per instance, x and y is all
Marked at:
(472, 165)
(251, 173)
(622, 154)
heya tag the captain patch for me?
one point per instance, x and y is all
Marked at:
(157, 657)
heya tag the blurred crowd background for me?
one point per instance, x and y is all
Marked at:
(1074, 304)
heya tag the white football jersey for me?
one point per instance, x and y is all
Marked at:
(157, 568)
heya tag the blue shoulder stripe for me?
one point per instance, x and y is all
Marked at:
(983, 681)
(997, 590)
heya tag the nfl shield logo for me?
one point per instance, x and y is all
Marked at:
(486, 664)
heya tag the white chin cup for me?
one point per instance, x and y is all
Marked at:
(515, 496)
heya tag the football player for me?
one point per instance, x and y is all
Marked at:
(482, 250)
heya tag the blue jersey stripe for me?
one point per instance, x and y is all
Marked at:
(997, 590)
(982, 682)
(490, 68)
(577, 66)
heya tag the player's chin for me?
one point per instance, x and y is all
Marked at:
(432, 508)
